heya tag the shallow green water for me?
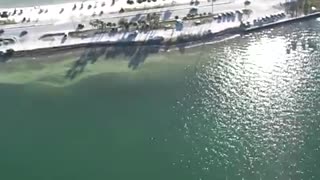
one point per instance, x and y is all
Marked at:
(240, 109)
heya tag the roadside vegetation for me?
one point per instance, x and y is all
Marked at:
(151, 21)
(296, 8)
(315, 3)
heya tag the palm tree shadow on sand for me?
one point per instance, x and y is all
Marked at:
(136, 55)
(90, 55)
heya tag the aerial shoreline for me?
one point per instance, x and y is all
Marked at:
(188, 42)
(220, 26)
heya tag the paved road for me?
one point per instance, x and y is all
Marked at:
(34, 32)
(54, 18)
(35, 29)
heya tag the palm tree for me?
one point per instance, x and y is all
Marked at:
(130, 2)
(247, 3)
(61, 11)
(305, 5)
(74, 7)
(121, 10)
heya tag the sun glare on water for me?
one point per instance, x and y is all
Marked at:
(266, 57)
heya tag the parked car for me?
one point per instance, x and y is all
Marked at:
(193, 11)
(23, 33)
(80, 26)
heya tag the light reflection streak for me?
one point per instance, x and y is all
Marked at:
(247, 107)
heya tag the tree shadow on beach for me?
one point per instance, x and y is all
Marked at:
(136, 55)
(141, 55)
(181, 47)
(4, 59)
(6, 56)
(90, 55)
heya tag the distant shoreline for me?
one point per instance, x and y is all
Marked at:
(164, 45)
(210, 37)
(61, 34)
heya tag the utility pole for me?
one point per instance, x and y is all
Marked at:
(212, 6)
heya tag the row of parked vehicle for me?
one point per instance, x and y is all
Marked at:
(269, 19)
(23, 33)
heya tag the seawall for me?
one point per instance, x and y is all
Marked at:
(185, 41)
(283, 22)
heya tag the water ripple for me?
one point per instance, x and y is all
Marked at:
(253, 109)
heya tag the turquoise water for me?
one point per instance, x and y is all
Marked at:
(239, 109)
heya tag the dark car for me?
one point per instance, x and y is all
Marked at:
(193, 11)
(80, 26)
(4, 14)
(23, 33)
